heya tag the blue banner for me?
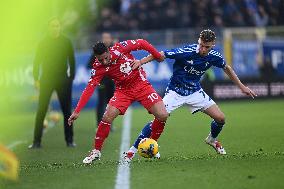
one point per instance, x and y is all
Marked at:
(245, 58)
(273, 53)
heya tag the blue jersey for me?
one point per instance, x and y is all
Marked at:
(189, 66)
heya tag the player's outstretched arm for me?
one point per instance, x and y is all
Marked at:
(137, 63)
(86, 95)
(233, 76)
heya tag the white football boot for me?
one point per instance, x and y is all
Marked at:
(157, 156)
(215, 144)
(128, 156)
(94, 155)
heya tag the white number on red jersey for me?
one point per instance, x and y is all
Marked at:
(153, 97)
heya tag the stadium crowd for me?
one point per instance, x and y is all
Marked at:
(162, 14)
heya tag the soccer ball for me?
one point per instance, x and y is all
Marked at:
(54, 116)
(148, 148)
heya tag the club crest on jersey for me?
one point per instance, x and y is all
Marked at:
(125, 68)
(190, 61)
(93, 72)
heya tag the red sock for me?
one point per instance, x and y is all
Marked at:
(157, 129)
(101, 135)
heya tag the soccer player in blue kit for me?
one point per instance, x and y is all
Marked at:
(191, 62)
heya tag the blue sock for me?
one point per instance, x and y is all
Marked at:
(145, 133)
(216, 128)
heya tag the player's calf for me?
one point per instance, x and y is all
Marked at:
(101, 134)
(157, 129)
(216, 127)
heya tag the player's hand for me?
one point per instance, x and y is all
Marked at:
(248, 92)
(163, 57)
(135, 64)
(36, 84)
(72, 118)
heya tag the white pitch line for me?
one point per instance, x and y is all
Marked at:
(123, 171)
(14, 144)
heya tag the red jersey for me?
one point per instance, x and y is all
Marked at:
(119, 70)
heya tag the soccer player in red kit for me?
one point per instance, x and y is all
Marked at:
(131, 85)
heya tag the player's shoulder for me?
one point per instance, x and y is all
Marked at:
(126, 43)
(115, 50)
(190, 48)
(214, 53)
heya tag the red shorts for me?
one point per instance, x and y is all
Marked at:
(145, 95)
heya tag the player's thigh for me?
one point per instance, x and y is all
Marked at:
(172, 101)
(199, 101)
(121, 101)
(64, 93)
(159, 111)
(45, 93)
(215, 112)
(148, 97)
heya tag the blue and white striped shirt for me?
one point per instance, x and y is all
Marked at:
(189, 67)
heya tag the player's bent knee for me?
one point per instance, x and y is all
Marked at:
(220, 119)
(163, 116)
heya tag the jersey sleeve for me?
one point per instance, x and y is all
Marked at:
(96, 77)
(180, 53)
(139, 44)
(219, 62)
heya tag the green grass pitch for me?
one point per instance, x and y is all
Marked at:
(252, 137)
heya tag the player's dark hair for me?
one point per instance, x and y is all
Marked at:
(207, 35)
(99, 48)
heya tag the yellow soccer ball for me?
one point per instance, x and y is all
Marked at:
(148, 148)
(54, 116)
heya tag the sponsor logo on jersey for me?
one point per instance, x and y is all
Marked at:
(193, 71)
(125, 68)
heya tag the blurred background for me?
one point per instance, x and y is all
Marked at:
(250, 35)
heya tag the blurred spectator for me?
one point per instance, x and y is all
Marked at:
(163, 14)
(54, 70)
(267, 72)
(261, 17)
